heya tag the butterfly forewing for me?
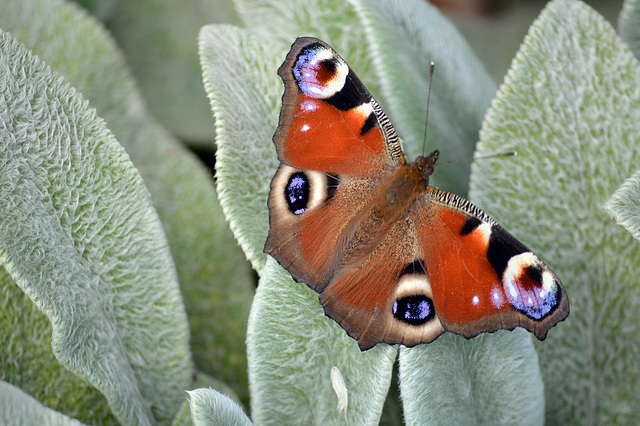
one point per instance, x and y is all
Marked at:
(329, 121)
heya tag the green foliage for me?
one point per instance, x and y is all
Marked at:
(629, 25)
(570, 106)
(204, 251)
(292, 346)
(158, 40)
(79, 236)
(16, 405)
(624, 205)
(106, 226)
(209, 407)
(404, 38)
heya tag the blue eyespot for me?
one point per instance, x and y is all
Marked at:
(296, 193)
(414, 310)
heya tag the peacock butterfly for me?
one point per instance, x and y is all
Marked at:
(393, 259)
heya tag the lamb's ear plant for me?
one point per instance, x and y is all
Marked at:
(102, 238)
(80, 237)
(624, 204)
(157, 39)
(101, 219)
(568, 105)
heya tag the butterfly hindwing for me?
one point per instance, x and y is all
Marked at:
(447, 266)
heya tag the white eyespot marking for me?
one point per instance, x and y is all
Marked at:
(318, 79)
(413, 311)
(475, 300)
(497, 297)
(340, 388)
(363, 110)
(305, 127)
(530, 286)
(309, 106)
(484, 230)
(295, 191)
(411, 284)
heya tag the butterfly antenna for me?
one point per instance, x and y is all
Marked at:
(484, 157)
(426, 120)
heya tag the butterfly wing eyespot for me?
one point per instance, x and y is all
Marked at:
(394, 260)
(329, 121)
(498, 282)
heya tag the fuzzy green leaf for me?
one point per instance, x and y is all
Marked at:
(629, 25)
(19, 408)
(334, 21)
(209, 407)
(404, 37)
(243, 87)
(624, 205)
(158, 39)
(27, 362)
(207, 257)
(570, 106)
(492, 379)
(79, 235)
(293, 346)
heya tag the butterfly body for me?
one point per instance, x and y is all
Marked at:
(393, 259)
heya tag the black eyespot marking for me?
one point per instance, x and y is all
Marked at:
(414, 310)
(352, 94)
(296, 193)
(330, 65)
(415, 267)
(502, 247)
(529, 297)
(369, 124)
(534, 272)
(471, 224)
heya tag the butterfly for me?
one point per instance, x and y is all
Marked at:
(393, 259)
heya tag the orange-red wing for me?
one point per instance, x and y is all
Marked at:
(329, 120)
(483, 278)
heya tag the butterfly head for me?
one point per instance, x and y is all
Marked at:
(425, 165)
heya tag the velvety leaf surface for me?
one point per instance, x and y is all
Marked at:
(334, 21)
(209, 407)
(405, 36)
(239, 74)
(570, 106)
(79, 235)
(629, 25)
(215, 281)
(292, 346)
(624, 205)
(491, 379)
(27, 362)
(19, 408)
(204, 381)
